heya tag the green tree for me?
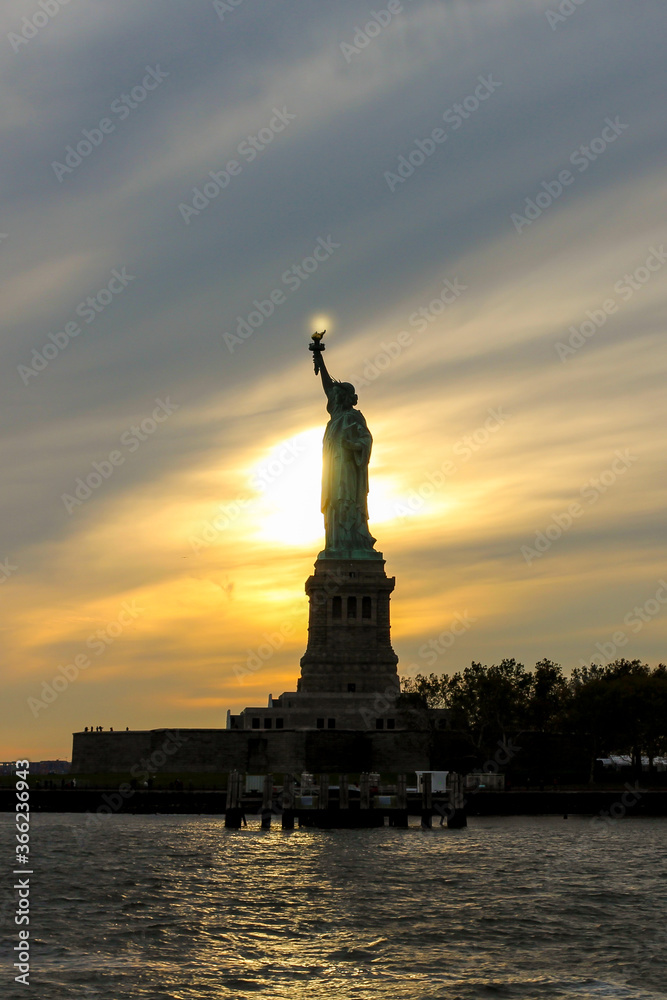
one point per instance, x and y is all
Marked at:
(490, 702)
(622, 706)
(433, 690)
(549, 697)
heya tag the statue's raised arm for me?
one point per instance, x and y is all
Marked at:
(318, 348)
(327, 382)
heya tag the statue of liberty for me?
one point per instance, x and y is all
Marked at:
(346, 453)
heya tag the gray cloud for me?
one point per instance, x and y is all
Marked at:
(322, 176)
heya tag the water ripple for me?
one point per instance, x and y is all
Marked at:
(153, 907)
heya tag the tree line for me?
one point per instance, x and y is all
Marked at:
(621, 707)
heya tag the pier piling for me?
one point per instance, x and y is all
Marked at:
(267, 801)
(288, 802)
(343, 792)
(427, 801)
(323, 798)
(364, 791)
(233, 809)
(457, 817)
(400, 817)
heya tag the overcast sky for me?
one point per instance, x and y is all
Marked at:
(469, 194)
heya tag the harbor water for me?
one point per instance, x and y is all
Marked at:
(157, 907)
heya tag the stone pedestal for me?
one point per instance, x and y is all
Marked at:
(349, 645)
(349, 678)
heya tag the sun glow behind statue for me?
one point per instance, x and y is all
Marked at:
(288, 482)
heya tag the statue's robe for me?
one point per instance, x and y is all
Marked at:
(345, 481)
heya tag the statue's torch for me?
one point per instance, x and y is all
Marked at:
(317, 347)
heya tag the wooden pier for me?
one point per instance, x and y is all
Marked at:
(345, 805)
